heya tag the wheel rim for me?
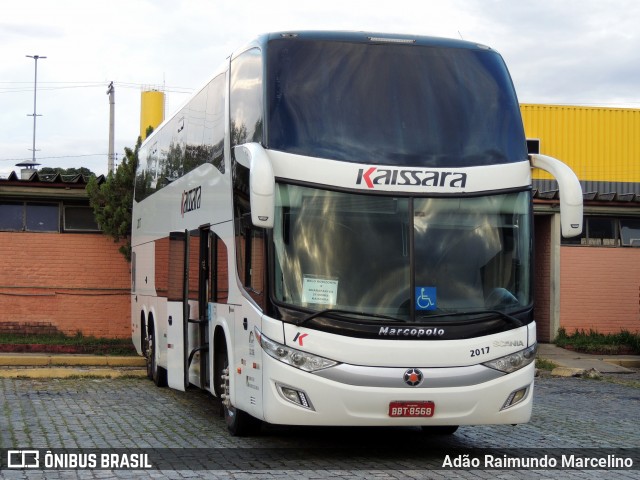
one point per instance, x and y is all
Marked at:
(150, 355)
(229, 410)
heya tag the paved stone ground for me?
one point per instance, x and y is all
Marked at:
(569, 413)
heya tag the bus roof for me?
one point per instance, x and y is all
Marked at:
(373, 37)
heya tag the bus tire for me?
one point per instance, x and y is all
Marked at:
(145, 348)
(440, 429)
(157, 373)
(239, 423)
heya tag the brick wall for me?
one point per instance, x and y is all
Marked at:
(600, 289)
(542, 277)
(74, 282)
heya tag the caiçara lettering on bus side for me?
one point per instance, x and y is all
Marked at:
(191, 200)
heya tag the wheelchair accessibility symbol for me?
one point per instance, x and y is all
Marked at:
(425, 298)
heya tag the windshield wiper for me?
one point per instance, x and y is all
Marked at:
(506, 316)
(347, 312)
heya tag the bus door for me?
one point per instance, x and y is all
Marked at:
(188, 318)
(251, 262)
(199, 351)
(221, 314)
(176, 303)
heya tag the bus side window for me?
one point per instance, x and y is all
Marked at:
(246, 106)
(219, 270)
(251, 258)
(258, 261)
(194, 264)
(215, 118)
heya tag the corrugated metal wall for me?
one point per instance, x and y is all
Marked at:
(601, 145)
(596, 190)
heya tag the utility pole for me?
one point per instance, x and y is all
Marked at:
(111, 91)
(34, 115)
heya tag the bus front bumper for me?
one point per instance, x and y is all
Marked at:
(330, 402)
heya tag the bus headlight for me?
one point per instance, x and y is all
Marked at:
(291, 356)
(514, 361)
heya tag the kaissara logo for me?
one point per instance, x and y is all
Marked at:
(191, 200)
(410, 177)
(299, 338)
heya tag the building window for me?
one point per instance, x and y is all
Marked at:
(42, 217)
(79, 219)
(599, 231)
(602, 231)
(30, 217)
(45, 217)
(11, 216)
(630, 232)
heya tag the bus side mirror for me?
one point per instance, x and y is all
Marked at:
(571, 215)
(262, 183)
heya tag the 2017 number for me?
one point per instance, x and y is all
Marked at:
(479, 351)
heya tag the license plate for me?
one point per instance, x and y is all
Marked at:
(411, 409)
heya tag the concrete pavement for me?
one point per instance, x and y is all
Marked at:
(44, 365)
(570, 363)
(187, 438)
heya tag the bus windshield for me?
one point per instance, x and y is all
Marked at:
(392, 104)
(405, 257)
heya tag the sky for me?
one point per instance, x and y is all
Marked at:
(576, 52)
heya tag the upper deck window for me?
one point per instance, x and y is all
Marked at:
(392, 104)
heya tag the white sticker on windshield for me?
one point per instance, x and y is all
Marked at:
(320, 290)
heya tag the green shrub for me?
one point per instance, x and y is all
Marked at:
(593, 341)
(102, 346)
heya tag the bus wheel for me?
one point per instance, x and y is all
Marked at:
(146, 351)
(155, 372)
(440, 429)
(239, 423)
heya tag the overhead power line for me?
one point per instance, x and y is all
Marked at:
(51, 158)
(18, 87)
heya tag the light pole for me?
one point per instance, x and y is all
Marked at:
(34, 115)
(111, 91)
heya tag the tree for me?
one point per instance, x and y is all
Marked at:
(112, 200)
(66, 171)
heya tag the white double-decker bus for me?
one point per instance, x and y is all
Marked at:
(337, 230)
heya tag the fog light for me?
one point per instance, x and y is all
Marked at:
(290, 394)
(515, 397)
(295, 396)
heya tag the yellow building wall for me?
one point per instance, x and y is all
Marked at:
(599, 144)
(151, 110)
